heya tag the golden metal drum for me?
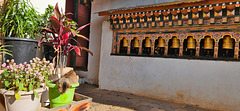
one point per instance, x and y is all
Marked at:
(227, 43)
(125, 42)
(147, 42)
(161, 42)
(208, 43)
(191, 43)
(136, 43)
(175, 42)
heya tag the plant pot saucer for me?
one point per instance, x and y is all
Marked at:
(80, 103)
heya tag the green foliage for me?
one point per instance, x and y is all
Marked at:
(5, 51)
(17, 96)
(25, 77)
(19, 19)
(45, 17)
(36, 94)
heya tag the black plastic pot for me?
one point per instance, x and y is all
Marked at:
(49, 52)
(23, 49)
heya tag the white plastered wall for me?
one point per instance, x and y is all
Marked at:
(209, 84)
(41, 5)
(96, 29)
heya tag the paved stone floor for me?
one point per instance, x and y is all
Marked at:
(104, 100)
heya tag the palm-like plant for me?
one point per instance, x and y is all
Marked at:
(19, 19)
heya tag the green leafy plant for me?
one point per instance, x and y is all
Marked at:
(25, 77)
(19, 19)
(46, 23)
(45, 17)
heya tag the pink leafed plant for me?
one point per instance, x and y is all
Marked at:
(63, 31)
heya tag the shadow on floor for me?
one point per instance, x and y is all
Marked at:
(131, 101)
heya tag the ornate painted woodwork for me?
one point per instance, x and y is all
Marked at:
(199, 28)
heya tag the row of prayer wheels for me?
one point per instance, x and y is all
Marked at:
(161, 42)
(191, 43)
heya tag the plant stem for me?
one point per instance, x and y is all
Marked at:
(64, 60)
(61, 64)
(57, 61)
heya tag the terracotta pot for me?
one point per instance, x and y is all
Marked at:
(27, 102)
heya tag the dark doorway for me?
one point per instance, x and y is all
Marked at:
(81, 10)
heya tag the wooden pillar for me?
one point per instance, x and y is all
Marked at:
(129, 47)
(114, 43)
(216, 50)
(118, 47)
(236, 50)
(113, 48)
(181, 49)
(140, 48)
(197, 49)
(152, 47)
(166, 49)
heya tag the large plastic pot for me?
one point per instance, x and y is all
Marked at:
(56, 99)
(23, 49)
(27, 102)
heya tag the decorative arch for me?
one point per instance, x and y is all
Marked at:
(226, 46)
(146, 45)
(159, 45)
(135, 44)
(124, 43)
(189, 45)
(207, 45)
(174, 46)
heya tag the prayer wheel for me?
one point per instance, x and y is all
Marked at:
(191, 43)
(147, 42)
(227, 43)
(125, 42)
(175, 42)
(136, 43)
(161, 42)
(208, 43)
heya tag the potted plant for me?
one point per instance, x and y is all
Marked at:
(20, 24)
(21, 84)
(46, 38)
(62, 30)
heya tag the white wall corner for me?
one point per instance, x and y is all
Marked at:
(106, 48)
